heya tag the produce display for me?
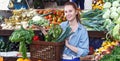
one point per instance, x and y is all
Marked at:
(23, 37)
(27, 18)
(105, 16)
(19, 17)
(106, 20)
(38, 20)
(7, 46)
(112, 18)
(56, 17)
(113, 56)
(106, 48)
(93, 20)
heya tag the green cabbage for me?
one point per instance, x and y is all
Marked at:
(115, 4)
(114, 15)
(107, 5)
(118, 10)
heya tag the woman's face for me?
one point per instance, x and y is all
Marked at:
(70, 12)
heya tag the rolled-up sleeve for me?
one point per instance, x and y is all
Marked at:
(83, 48)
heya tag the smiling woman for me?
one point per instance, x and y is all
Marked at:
(77, 45)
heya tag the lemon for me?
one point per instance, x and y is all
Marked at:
(20, 59)
(26, 59)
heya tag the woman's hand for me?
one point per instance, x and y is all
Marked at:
(73, 48)
(67, 42)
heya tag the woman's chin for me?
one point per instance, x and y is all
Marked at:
(68, 19)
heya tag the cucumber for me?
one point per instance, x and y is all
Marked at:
(2, 45)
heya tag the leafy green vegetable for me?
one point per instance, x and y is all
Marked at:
(93, 19)
(53, 33)
(113, 56)
(38, 20)
(65, 34)
(23, 36)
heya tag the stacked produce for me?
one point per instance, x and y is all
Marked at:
(98, 4)
(112, 18)
(108, 52)
(38, 20)
(24, 37)
(27, 18)
(19, 17)
(106, 48)
(107, 19)
(93, 20)
(7, 46)
(113, 56)
(56, 17)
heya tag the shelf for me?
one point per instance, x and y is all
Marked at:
(97, 34)
(9, 32)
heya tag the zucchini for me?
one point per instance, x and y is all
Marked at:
(65, 34)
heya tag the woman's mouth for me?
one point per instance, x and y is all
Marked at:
(68, 17)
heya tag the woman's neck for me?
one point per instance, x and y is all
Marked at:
(73, 23)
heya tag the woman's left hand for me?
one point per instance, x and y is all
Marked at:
(66, 42)
(73, 48)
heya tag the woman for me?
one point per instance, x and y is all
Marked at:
(77, 44)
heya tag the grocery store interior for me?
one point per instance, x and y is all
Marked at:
(29, 42)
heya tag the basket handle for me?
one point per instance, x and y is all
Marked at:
(42, 29)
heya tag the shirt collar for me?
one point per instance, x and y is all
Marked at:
(79, 25)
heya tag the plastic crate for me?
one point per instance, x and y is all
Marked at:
(46, 51)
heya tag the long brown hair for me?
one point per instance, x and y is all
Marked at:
(74, 5)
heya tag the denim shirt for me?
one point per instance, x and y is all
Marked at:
(78, 39)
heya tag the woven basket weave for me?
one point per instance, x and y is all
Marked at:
(46, 51)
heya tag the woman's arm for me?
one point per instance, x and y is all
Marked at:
(82, 48)
(73, 48)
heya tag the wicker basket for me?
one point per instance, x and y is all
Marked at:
(46, 51)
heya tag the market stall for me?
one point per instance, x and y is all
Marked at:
(102, 24)
(7, 31)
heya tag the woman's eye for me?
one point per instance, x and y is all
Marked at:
(65, 11)
(70, 10)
